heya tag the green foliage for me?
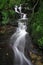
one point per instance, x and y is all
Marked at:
(14, 2)
(40, 41)
(5, 17)
(6, 7)
(36, 26)
(8, 3)
(3, 3)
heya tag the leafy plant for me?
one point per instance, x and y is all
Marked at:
(3, 4)
(5, 17)
(36, 26)
(40, 41)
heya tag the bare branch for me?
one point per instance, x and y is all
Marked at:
(35, 4)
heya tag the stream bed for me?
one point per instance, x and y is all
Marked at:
(6, 52)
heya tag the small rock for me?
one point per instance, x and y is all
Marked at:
(39, 58)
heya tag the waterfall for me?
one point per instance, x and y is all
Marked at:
(19, 40)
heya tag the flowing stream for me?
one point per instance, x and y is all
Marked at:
(18, 39)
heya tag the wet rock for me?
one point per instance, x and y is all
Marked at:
(33, 52)
(33, 56)
(6, 55)
(6, 52)
(39, 58)
(36, 59)
(5, 33)
(38, 63)
(28, 46)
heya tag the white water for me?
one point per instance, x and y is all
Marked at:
(18, 39)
